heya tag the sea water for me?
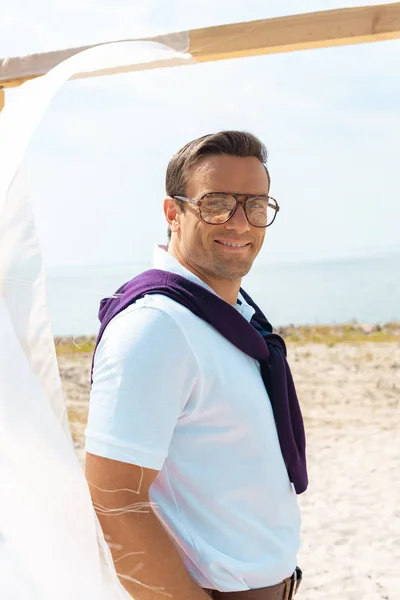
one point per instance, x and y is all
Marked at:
(366, 290)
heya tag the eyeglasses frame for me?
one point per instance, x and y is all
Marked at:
(238, 202)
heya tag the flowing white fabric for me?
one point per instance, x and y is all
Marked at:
(51, 544)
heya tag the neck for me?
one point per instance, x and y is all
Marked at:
(227, 290)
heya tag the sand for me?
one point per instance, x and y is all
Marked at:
(350, 395)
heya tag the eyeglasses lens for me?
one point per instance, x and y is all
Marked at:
(218, 208)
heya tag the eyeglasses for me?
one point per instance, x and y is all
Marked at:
(217, 208)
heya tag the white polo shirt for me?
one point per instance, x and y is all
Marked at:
(172, 394)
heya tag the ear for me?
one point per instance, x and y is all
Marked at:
(171, 214)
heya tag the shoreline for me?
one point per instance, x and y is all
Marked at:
(295, 335)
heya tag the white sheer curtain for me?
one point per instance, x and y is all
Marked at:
(51, 544)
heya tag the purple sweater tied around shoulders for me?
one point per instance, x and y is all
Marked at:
(254, 339)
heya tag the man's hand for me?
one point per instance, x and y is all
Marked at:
(145, 557)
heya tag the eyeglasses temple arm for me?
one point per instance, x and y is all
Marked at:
(182, 198)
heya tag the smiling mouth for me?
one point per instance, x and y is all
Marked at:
(230, 245)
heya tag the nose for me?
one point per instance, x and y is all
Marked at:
(238, 222)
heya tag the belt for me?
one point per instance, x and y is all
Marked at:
(285, 590)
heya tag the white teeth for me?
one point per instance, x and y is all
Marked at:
(234, 245)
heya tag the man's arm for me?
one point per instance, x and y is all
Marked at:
(141, 548)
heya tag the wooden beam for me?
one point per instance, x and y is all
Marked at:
(299, 32)
(16, 70)
(267, 36)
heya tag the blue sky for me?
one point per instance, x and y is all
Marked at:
(330, 119)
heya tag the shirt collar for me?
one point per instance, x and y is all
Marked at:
(166, 262)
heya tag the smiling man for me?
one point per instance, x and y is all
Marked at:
(195, 441)
(222, 254)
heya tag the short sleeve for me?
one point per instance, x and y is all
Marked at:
(144, 373)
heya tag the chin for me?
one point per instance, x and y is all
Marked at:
(230, 273)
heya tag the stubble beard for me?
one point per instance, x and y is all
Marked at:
(229, 272)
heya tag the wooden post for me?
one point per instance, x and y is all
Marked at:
(2, 100)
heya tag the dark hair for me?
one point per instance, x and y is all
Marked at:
(232, 143)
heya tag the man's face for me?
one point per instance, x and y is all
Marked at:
(203, 246)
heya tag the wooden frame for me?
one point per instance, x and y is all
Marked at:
(266, 36)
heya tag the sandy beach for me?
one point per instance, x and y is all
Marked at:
(350, 395)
